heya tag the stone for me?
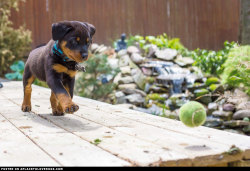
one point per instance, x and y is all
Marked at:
(196, 86)
(229, 107)
(125, 70)
(134, 91)
(213, 122)
(212, 80)
(132, 49)
(246, 129)
(124, 61)
(147, 71)
(219, 89)
(205, 99)
(125, 86)
(201, 92)
(139, 78)
(120, 97)
(211, 108)
(236, 97)
(241, 114)
(117, 78)
(126, 105)
(166, 54)
(135, 99)
(137, 58)
(113, 63)
(223, 114)
(121, 53)
(93, 47)
(126, 80)
(151, 50)
(243, 106)
(157, 89)
(183, 61)
(235, 123)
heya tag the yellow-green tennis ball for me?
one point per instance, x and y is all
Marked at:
(192, 114)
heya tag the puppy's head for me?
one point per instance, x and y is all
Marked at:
(74, 38)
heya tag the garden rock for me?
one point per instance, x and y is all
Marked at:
(139, 78)
(211, 108)
(125, 80)
(241, 114)
(121, 53)
(135, 99)
(243, 106)
(93, 47)
(125, 86)
(213, 122)
(166, 54)
(125, 70)
(132, 49)
(183, 61)
(223, 114)
(134, 91)
(236, 123)
(152, 50)
(229, 107)
(137, 58)
(120, 97)
(124, 61)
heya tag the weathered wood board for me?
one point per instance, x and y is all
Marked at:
(126, 137)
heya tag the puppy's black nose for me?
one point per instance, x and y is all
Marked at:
(84, 55)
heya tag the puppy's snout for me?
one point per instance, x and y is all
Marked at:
(84, 55)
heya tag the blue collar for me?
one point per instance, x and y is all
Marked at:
(57, 51)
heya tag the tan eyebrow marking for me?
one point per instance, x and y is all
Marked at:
(78, 39)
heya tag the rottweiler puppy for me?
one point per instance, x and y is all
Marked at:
(56, 64)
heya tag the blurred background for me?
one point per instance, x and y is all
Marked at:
(199, 24)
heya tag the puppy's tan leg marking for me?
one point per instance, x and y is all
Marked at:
(26, 106)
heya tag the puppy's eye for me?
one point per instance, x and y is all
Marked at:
(74, 42)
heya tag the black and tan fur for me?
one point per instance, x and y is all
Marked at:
(73, 38)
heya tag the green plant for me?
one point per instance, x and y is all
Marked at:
(237, 68)
(18, 68)
(14, 43)
(211, 62)
(94, 82)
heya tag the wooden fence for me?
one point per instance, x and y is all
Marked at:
(198, 23)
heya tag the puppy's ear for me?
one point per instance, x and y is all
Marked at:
(59, 30)
(91, 29)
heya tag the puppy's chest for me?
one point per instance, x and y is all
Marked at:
(69, 70)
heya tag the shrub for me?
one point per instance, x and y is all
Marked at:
(211, 62)
(95, 82)
(237, 68)
(14, 43)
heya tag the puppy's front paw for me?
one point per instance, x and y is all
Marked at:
(71, 108)
(26, 108)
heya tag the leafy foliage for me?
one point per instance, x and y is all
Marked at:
(211, 62)
(14, 43)
(18, 68)
(94, 83)
(237, 68)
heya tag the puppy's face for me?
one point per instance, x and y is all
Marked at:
(74, 38)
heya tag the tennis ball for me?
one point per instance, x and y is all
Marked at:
(192, 114)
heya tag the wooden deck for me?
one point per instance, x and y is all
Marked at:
(101, 134)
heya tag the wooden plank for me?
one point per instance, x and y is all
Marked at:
(134, 150)
(207, 151)
(66, 148)
(119, 117)
(18, 150)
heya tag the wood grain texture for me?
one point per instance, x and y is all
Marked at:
(199, 24)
